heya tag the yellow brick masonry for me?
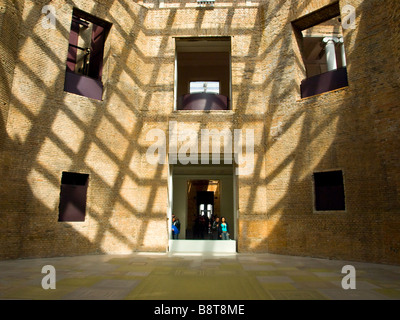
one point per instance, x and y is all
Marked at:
(45, 131)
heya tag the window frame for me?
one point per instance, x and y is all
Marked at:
(224, 98)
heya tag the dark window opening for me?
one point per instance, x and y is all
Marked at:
(203, 73)
(329, 191)
(73, 196)
(320, 38)
(85, 55)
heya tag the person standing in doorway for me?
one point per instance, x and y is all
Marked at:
(215, 229)
(224, 227)
(176, 227)
(202, 226)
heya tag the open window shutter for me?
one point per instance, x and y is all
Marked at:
(73, 42)
(97, 51)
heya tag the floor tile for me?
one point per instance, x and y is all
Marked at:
(200, 277)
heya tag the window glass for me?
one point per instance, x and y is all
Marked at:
(204, 86)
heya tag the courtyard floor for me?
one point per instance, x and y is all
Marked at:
(155, 276)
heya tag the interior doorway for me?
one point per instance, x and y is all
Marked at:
(203, 198)
(206, 190)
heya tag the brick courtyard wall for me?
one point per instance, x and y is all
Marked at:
(353, 129)
(46, 131)
(10, 18)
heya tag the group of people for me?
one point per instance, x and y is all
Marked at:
(220, 230)
(213, 228)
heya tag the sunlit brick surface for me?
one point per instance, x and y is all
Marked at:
(45, 131)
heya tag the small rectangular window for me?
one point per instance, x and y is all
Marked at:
(329, 191)
(73, 196)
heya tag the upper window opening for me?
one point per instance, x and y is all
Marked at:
(203, 79)
(321, 42)
(323, 47)
(85, 55)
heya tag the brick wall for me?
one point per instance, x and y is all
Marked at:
(353, 130)
(49, 131)
(10, 17)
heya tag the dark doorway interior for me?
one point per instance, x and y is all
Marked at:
(205, 213)
(203, 207)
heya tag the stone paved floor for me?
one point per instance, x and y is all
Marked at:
(151, 276)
